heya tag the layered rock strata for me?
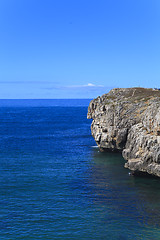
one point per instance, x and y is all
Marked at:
(128, 120)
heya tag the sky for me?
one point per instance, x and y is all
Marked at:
(77, 48)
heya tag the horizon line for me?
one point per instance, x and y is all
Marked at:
(45, 98)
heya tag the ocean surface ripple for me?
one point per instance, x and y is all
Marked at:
(55, 184)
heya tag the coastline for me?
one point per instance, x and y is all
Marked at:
(128, 120)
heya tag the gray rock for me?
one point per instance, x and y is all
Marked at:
(128, 120)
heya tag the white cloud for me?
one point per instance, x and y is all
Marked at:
(84, 86)
(90, 85)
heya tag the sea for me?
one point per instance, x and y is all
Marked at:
(56, 184)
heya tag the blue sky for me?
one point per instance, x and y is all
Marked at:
(77, 49)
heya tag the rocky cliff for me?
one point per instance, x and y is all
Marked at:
(128, 120)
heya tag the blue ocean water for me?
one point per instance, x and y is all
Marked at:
(55, 184)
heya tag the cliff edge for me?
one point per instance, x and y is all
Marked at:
(128, 120)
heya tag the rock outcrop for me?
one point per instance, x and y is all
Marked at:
(128, 120)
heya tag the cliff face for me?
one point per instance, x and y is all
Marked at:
(128, 120)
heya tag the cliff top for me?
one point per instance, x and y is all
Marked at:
(131, 102)
(130, 95)
(133, 93)
(136, 92)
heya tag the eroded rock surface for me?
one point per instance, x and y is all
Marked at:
(128, 120)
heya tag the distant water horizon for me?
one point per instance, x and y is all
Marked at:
(44, 102)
